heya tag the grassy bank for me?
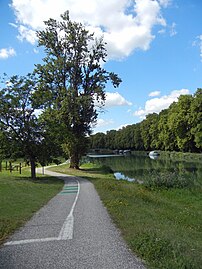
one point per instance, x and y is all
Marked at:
(20, 197)
(162, 226)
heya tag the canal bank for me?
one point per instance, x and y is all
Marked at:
(161, 225)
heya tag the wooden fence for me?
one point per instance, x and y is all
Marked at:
(9, 166)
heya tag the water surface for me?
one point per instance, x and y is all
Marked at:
(137, 167)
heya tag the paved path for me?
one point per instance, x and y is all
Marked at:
(73, 231)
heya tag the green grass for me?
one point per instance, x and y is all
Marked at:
(162, 226)
(21, 197)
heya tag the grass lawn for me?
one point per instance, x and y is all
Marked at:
(21, 197)
(164, 227)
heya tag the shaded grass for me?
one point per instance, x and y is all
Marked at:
(162, 226)
(21, 197)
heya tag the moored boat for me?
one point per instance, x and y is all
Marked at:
(154, 153)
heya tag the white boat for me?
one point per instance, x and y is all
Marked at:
(154, 153)
(127, 152)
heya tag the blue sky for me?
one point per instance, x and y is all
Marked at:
(155, 46)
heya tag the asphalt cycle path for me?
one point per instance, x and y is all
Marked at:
(73, 231)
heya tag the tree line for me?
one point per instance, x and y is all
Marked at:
(178, 128)
(50, 111)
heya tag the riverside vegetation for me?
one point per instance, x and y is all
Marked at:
(161, 224)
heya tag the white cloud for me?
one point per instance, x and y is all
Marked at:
(173, 31)
(162, 31)
(155, 93)
(112, 99)
(200, 46)
(165, 3)
(13, 25)
(158, 104)
(103, 123)
(122, 126)
(125, 24)
(28, 34)
(6, 53)
(115, 99)
(198, 43)
(36, 51)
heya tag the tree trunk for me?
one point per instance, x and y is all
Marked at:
(33, 168)
(74, 161)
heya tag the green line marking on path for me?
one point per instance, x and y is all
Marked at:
(68, 191)
(70, 188)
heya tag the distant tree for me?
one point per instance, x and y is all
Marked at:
(129, 137)
(70, 80)
(153, 130)
(178, 127)
(196, 116)
(98, 141)
(21, 132)
(179, 123)
(119, 139)
(125, 138)
(110, 139)
(138, 142)
(166, 137)
(147, 133)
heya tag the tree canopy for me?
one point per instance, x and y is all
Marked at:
(21, 132)
(70, 79)
(177, 128)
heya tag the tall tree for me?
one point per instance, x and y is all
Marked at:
(146, 132)
(179, 122)
(110, 140)
(70, 80)
(153, 130)
(138, 142)
(125, 138)
(19, 126)
(166, 137)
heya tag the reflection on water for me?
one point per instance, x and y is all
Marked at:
(153, 157)
(119, 176)
(135, 168)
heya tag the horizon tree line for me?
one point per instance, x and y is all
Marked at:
(178, 128)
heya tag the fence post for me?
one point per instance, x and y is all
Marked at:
(0, 166)
(10, 167)
(6, 165)
(20, 168)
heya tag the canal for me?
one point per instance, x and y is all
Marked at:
(137, 167)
